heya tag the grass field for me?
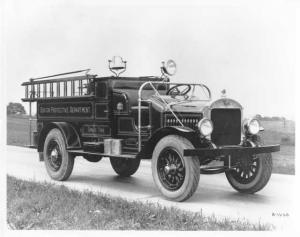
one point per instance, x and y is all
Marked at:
(33, 205)
(18, 130)
(279, 132)
(275, 132)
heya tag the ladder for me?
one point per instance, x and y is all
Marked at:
(76, 86)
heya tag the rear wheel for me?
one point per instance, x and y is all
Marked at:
(125, 167)
(176, 176)
(59, 163)
(251, 174)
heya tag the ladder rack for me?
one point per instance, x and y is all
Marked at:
(69, 87)
(39, 88)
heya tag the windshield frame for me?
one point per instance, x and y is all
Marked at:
(202, 86)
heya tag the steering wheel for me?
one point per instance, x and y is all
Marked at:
(174, 90)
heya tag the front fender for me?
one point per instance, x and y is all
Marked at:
(186, 132)
(71, 136)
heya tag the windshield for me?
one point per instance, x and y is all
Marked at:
(181, 93)
(198, 92)
(178, 93)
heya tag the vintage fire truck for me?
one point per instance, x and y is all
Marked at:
(126, 119)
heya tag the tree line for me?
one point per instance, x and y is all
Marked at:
(267, 118)
(15, 109)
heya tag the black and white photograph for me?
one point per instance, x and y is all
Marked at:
(160, 116)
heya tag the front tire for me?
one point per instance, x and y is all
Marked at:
(176, 176)
(59, 163)
(251, 174)
(125, 167)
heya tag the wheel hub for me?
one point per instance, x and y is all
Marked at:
(246, 169)
(170, 169)
(54, 154)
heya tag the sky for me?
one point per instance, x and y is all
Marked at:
(245, 47)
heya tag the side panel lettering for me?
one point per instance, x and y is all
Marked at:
(65, 109)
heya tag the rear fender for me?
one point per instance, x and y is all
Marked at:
(69, 133)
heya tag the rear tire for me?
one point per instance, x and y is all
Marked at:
(125, 167)
(58, 161)
(176, 176)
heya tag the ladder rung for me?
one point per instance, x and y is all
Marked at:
(58, 89)
(65, 89)
(44, 90)
(26, 91)
(51, 90)
(72, 88)
(38, 94)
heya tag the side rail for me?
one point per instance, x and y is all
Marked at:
(140, 100)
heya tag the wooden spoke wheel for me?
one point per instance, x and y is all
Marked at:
(59, 163)
(176, 176)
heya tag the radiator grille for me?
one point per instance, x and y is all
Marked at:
(227, 126)
(190, 120)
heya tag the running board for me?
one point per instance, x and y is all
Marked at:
(31, 146)
(82, 152)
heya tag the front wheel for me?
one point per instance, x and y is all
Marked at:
(176, 176)
(58, 161)
(251, 174)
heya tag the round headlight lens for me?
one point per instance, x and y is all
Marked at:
(205, 127)
(170, 67)
(253, 126)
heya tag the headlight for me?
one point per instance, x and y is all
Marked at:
(205, 127)
(252, 126)
(170, 67)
